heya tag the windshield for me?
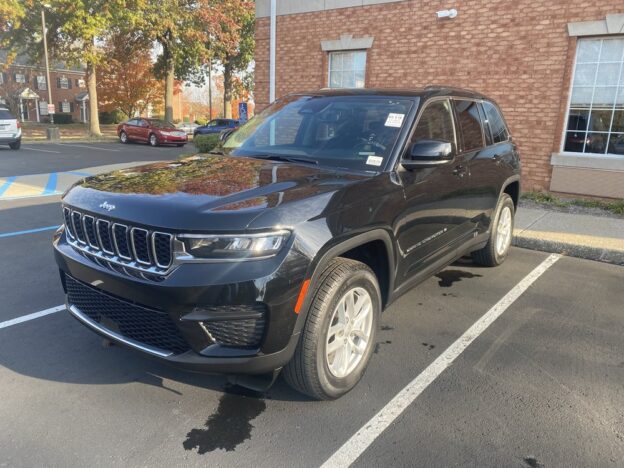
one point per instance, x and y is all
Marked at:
(161, 124)
(355, 132)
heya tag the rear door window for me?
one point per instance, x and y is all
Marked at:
(469, 124)
(495, 123)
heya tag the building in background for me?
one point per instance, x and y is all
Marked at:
(555, 67)
(23, 87)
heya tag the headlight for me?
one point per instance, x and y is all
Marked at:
(243, 246)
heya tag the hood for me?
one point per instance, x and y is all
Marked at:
(208, 192)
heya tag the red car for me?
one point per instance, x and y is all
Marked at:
(152, 131)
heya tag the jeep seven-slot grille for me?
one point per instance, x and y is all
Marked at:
(118, 245)
(151, 327)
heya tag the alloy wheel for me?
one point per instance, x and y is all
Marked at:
(504, 231)
(349, 333)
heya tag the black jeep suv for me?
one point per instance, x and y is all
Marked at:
(280, 250)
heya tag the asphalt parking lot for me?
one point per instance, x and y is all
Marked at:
(542, 385)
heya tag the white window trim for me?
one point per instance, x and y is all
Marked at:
(329, 69)
(61, 82)
(23, 78)
(556, 157)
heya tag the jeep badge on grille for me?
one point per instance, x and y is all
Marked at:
(107, 206)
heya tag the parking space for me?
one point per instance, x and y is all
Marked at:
(541, 386)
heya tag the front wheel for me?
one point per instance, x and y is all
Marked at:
(123, 137)
(338, 339)
(153, 141)
(16, 145)
(501, 233)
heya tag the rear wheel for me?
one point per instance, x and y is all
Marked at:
(501, 234)
(16, 145)
(338, 339)
(152, 140)
(123, 137)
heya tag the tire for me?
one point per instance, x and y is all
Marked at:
(312, 370)
(16, 145)
(123, 137)
(495, 251)
(152, 140)
(180, 145)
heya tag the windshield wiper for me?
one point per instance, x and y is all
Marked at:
(277, 157)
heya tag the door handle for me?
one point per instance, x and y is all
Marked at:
(459, 171)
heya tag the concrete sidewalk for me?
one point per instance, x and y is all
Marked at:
(577, 235)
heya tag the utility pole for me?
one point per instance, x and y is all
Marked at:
(210, 89)
(47, 64)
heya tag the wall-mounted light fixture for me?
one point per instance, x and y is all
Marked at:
(447, 14)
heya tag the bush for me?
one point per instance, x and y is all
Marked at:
(205, 143)
(112, 117)
(62, 119)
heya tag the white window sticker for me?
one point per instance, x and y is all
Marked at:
(394, 120)
(374, 160)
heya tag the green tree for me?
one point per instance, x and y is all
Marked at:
(181, 29)
(74, 28)
(233, 46)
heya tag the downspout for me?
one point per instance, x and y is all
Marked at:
(272, 51)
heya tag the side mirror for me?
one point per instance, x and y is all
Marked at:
(427, 153)
(225, 134)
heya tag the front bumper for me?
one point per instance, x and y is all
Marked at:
(189, 298)
(164, 139)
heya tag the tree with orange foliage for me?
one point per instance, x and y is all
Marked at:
(126, 79)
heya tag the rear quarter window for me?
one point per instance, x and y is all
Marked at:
(495, 122)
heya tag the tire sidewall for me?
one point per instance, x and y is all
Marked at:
(332, 385)
(123, 136)
(505, 201)
(152, 140)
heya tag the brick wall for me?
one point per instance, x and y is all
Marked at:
(58, 94)
(517, 52)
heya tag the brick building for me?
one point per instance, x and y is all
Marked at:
(555, 67)
(23, 86)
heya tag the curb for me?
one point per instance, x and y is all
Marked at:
(587, 252)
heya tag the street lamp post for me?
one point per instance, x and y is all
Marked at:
(47, 64)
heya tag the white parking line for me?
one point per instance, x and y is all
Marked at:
(89, 147)
(30, 148)
(361, 440)
(33, 316)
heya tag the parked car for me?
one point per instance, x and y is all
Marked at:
(216, 126)
(280, 253)
(151, 131)
(10, 129)
(188, 127)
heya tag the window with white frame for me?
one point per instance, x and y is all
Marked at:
(65, 107)
(1, 78)
(64, 82)
(596, 114)
(20, 78)
(347, 69)
(41, 82)
(43, 108)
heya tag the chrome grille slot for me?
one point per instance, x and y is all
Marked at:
(120, 239)
(162, 247)
(68, 222)
(77, 225)
(128, 250)
(90, 233)
(104, 236)
(140, 245)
